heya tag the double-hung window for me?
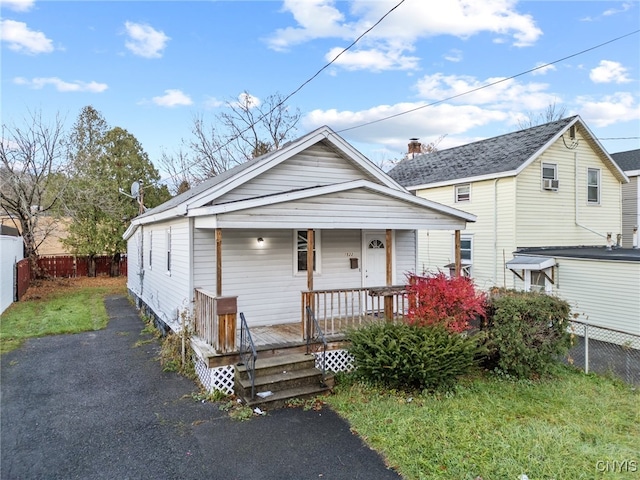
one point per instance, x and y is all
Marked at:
(150, 250)
(593, 186)
(466, 256)
(549, 176)
(463, 192)
(301, 248)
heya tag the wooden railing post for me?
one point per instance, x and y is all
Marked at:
(388, 299)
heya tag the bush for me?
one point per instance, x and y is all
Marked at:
(449, 301)
(407, 356)
(526, 332)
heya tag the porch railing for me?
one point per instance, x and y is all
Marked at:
(215, 320)
(338, 309)
(315, 337)
(248, 354)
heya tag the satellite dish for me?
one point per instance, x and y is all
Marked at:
(135, 189)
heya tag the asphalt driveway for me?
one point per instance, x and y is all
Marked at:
(95, 405)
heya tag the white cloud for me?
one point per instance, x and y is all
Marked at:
(609, 72)
(507, 94)
(145, 41)
(247, 100)
(425, 123)
(544, 69)
(610, 109)
(18, 5)
(213, 102)
(453, 55)
(23, 40)
(172, 98)
(613, 11)
(399, 32)
(61, 85)
(373, 60)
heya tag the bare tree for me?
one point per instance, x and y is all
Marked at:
(32, 164)
(247, 129)
(552, 113)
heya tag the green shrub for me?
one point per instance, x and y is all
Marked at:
(405, 356)
(525, 332)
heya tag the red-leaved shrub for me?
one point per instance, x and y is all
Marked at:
(442, 300)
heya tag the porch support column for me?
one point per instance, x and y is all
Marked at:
(218, 262)
(388, 299)
(310, 248)
(457, 253)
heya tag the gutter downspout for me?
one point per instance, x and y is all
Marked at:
(575, 174)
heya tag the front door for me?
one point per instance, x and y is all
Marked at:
(375, 260)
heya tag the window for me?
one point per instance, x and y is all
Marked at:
(466, 256)
(538, 281)
(593, 185)
(549, 176)
(168, 234)
(150, 250)
(301, 244)
(463, 192)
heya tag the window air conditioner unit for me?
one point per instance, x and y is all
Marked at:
(551, 184)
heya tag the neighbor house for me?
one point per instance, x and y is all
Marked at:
(310, 222)
(552, 185)
(629, 162)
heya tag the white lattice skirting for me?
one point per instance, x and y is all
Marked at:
(222, 378)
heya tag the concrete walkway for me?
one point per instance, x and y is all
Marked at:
(96, 406)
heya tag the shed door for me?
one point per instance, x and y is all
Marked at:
(375, 255)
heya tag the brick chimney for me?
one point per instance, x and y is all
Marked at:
(415, 148)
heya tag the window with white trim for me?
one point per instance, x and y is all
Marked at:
(463, 192)
(549, 176)
(168, 243)
(300, 250)
(466, 256)
(593, 186)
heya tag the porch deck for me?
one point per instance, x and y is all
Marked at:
(273, 340)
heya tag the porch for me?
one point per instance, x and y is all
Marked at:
(325, 316)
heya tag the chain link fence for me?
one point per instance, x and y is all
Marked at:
(605, 351)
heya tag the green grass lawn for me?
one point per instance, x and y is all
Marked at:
(60, 310)
(565, 427)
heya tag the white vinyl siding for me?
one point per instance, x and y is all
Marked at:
(593, 300)
(493, 233)
(630, 210)
(169, 295)
(318, 165)
(300, 249)
(359, 208)
(551, 220)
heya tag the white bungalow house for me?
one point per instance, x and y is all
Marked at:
(629, 162)
(552, 185)
(243, 241)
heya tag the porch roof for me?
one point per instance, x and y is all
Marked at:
(356, 204)
(521, 262)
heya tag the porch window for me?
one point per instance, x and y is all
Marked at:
(463, 192)
(168, 235)
(301, 244)
(593, 186)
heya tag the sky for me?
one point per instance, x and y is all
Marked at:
(150, 67)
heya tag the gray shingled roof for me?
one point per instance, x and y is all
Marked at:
(629, 160)
(494, 155)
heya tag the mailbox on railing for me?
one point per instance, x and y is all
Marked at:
(226, 311)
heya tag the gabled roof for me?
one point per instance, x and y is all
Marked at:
(215, 187)
(502, 156)
(628, 161)
(201, 200)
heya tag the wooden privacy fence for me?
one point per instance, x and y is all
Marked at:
(23, 278)
(65, 266)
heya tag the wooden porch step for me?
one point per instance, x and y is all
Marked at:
(277, 364)
(281, 398)
(284, 377)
